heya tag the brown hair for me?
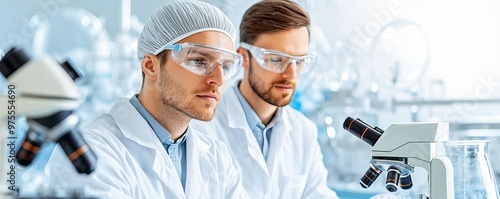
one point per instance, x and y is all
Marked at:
(270, 16)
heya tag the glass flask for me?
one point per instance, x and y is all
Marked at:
(472, 172)
(399, 54)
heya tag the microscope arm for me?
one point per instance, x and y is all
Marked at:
(441, 178)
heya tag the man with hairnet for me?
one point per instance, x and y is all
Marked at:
(144, 145)
(274, 146)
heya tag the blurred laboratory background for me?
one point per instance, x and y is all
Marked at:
(385, 61)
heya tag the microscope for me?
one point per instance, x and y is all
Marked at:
(46, 93)
(401, 148)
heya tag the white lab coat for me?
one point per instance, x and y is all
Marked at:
(132, 162)
(294, 167)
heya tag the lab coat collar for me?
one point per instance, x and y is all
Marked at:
(281, 132)
(199, 167)
(235, 116)
(242, 133)
(132, 124)
(134, 127)
(202, 146)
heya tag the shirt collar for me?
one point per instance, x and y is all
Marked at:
(162, 133)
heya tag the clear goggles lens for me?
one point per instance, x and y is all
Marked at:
(202, 59)
(277, 61)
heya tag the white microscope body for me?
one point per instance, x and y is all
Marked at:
(401, 148)
(42, 91)
(410, 145)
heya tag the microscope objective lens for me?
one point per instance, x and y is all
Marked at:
(370, 176)
(391, 184)
(405, 182)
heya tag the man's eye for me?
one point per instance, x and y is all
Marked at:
(196, 61)
(226, 65)
(274, 60)
(277, 60)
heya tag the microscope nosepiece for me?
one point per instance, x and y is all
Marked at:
(59, 127)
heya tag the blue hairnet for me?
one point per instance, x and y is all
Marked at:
(179, 19)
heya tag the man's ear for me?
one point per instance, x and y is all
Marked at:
(150, 67)
(246, 57)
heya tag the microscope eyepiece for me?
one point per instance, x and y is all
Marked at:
(391, 184)
(73, 72)
(370, 176)
(362, 130)
(12, 61)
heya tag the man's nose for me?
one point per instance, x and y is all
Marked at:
(216, 76)
(291, 70)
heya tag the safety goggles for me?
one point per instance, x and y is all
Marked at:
(277, 61)
(202, 59)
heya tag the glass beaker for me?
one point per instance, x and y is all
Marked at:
(472, 172)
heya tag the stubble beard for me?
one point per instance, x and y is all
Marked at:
(258, 87)
(174, 96)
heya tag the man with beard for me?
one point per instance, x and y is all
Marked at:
(274, 146)
(144, 145)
